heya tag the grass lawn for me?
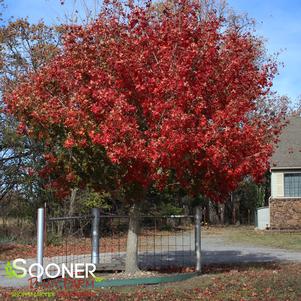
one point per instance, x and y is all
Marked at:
(254, 282)
(247, 235)
(269, 281)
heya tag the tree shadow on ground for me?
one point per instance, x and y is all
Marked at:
(212, 261)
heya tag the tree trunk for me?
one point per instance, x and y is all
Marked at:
(71, 209)
(61, 224)
(72, 201)
(213, 213)
(221, 210)
(131, 262)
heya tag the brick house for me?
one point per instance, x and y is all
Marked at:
(285, 201)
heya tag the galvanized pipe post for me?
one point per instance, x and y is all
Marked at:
(40, 239)
(95, 235)
(198, 214)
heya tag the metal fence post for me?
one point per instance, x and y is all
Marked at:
(95, 235)
(198, 238)
(40, 239)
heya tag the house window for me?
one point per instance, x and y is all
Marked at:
(292, 185)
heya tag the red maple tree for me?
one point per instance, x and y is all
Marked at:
(164, 95)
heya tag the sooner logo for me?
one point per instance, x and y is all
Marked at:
(75, 270)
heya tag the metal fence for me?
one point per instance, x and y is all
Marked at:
(164, 242)
(68, 240)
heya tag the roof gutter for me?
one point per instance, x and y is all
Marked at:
(285, 168)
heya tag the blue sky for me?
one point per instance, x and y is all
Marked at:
(278, 21)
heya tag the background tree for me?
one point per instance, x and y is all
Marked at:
(24, 48)
(139, 98)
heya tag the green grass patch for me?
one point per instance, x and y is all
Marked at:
(281, 240)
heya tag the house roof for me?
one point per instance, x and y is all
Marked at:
(288, 151)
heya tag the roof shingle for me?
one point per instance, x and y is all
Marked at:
(288, 151)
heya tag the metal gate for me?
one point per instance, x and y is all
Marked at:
(164, 242)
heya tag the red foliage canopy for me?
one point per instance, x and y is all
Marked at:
(167, 95)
